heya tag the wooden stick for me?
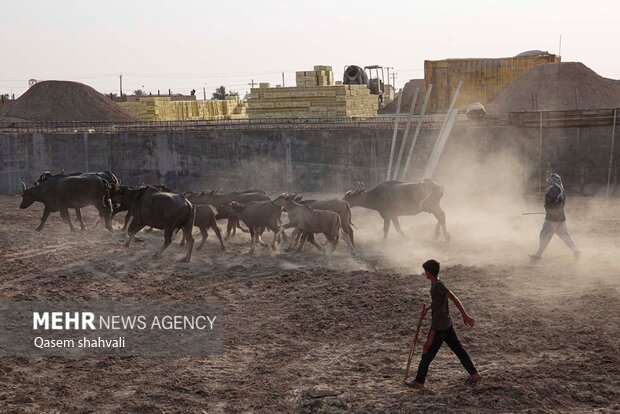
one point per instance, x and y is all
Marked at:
(415, 341)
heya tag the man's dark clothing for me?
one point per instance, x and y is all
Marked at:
(555, 221)
(435, 339)
(554, 204)
(439, 307)
(441, 330)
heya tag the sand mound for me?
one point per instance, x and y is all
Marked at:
(408, 92)
(66, 101)
(553, 86)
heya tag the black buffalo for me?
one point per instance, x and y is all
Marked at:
(60, 193)
(395, 198)
(112, 180)
(119, 203)
(166, 211)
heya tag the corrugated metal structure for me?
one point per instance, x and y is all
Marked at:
(482, 79)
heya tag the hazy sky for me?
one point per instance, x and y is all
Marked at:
(194, 44)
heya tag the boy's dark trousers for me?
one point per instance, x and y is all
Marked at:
(433, 343)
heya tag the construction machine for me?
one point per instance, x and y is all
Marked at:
(372, 76)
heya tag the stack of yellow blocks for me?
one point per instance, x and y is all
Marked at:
(316, 96)
(334, 101)
(163, 109)
(320, 76)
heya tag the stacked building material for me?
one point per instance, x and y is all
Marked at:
(483, 79)
(320, 76)
(335, 101)
(164, 109)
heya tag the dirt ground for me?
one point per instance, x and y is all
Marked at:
(307, 334)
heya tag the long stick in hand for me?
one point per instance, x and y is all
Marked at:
(415, 341)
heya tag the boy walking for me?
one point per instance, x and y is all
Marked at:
(441, 327)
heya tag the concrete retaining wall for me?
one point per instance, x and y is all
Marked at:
(300, 160)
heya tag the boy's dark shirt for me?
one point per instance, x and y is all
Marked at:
(554, 206)
(441, 320)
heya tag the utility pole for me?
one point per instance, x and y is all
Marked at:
(121, 85)
(204, 92)
(251, 83)
(283, 79)
(394, 80)
(388, 73)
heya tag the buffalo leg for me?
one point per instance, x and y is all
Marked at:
(204, 233)
(133, 229)
(295, 235)
(397, 226)
(240, 227)
(349, 232)
(306, 236)
(103, 212)
(440, 215)
(284, 227)
(127, 217)
(46, 214)
(275, 229)
(386, 227)
(78, 214)
(254, 237)
(334, 242)
(349, 241)
(295, 239)
(189, 238)
(167, 240)
(218, 233)
(64, 214)
(301, 240)
(310, 237)
(229, 229)
(283, 236)
(260, 232)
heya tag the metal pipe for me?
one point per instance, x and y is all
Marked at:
(389, 170)
(439, 145)
(611, 150)
(440, 142)
(540, 133)
(405, 134)
(416, 133)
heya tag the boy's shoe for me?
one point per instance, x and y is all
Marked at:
(416, 385)
(474, 378)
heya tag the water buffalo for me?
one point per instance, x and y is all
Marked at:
(107, 176)
(205, 218)
(60, 193)
(339, 207)
(120, 204)
(222, 203)
(394, 198)
(167, 211)
(258, 215)
(104, 175)
(308, 220)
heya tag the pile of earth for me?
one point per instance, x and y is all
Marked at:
(557, 86)
(408, 92)
(65, 101)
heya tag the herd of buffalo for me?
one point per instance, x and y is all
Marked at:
(159, 207)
